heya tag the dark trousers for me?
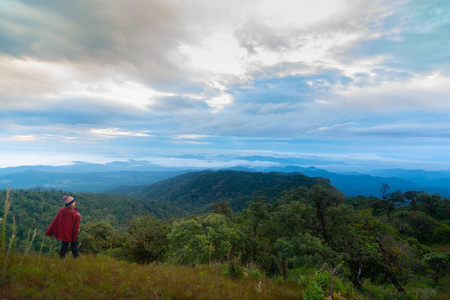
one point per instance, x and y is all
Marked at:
(65, 246)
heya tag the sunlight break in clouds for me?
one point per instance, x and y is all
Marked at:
(123, 92)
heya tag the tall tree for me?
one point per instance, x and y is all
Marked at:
(321, 199)
(411, 196)
(146, 239)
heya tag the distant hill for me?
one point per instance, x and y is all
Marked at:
(196, 191)
(86, 167)
(369, 185)
(89, 177)
(430, 180)
(95, 182)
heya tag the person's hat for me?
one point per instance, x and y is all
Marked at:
(68, 200)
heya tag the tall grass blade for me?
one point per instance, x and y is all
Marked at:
(3, 220)
(11, 240)
(28, 246)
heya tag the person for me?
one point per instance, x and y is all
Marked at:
(65, 227)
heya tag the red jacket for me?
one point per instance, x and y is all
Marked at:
(65, 225)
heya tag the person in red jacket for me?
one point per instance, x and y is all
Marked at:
(65, 227)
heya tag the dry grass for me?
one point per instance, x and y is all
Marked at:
(92, 277)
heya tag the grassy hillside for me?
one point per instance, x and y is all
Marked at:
(90, 277)
(196, 190)
(100, 277)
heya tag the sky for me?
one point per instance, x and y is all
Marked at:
(342, 85)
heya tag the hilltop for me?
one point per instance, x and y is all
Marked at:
(196, 191)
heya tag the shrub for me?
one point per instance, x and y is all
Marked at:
(441, 235)
(323, 278)
(254, 270)
(313, 292)
(98, 238)
(235, 270)
(201, 240)
(256, 273)
(146, 240)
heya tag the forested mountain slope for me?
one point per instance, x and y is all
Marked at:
(195, 191)
(37, 208)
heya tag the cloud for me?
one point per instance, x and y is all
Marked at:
(99, 32)
(130, 53)
(38, 137)
(428, 92)
(414, 39)
(189, 136)
(27, 83)
(388, 131)
(228, 74)
(116, 132)
(191, 142)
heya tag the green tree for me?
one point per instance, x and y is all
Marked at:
(201, 239)
(411, 196)
(98, 237)
(146, 239)
(255, 225)
(223, 207)
(395, 199)
(433, 205)
(321, 199)
(438, 264)
(290, 219)
(371, 247)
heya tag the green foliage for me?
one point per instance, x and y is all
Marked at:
(195, 191)
(322, 199)
(37, 208)
(441, 234)
(234, 269)
(304, 250)
(257, 274)
(323, 278)
(98, 238)
(201, 240)
(318, 285)
(292, 218)
(438, 264)
(223, 207)
(434, 205)
(146, 240)
(258, 233)
(313, 292)
(301, 230)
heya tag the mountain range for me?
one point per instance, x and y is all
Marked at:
(89, 177)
